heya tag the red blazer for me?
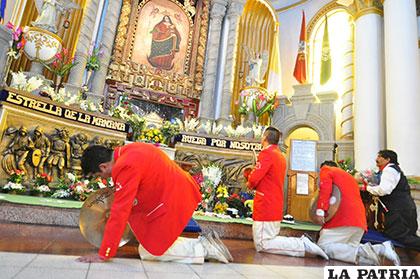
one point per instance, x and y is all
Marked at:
(267, 178)
(153, 194)
(351, 211)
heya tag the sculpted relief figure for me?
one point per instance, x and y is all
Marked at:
(8, 162)
(41, 143)
(78, 144)
(60, 152)
(20, 146)
(48, 13)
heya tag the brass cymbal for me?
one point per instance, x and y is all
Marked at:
(335, 201)
(95, 213)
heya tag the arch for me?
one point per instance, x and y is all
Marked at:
(312, 121)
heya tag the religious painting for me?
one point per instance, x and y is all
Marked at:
(159, 53)
(161, 40)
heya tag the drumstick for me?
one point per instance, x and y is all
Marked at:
(254, 161)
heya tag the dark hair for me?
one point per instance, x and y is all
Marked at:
(272, 135)
(93, 156)
(329, 163)
(389, 154)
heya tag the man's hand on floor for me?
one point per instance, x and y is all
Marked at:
(94, 258)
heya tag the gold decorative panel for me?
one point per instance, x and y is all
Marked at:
(256, 33)
(160, 48)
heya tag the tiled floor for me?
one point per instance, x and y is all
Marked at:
(34, 266)
(34, 251)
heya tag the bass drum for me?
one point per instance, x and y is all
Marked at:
(335, 201)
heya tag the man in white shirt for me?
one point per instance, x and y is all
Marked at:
(394, 192)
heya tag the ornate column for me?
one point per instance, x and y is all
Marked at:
(369, 116)
(83, 44)
(348, 88)
(207, 100)
(233, 14)
(402, 82)
(109, 32)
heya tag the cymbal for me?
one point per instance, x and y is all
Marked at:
(95, 213)
(335, 201)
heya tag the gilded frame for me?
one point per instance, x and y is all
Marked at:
(140, 77)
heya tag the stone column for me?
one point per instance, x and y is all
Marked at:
(348, 88)
(233, 14)
(207, 100)
(109, 32)
(83, 44)
(5, 39)
(369, 116)
(402, 83)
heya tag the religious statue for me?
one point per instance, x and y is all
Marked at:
(258, 65)
(165, 42)
(60, 152)
(41, 143)
(21, 146)
(8, 162)
(47, 13)
(78, 144)
(97, 141)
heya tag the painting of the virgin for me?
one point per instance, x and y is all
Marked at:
(162, 35)
(165, 43)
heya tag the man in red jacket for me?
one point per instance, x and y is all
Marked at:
(267, 179)
(157, 198)
(340, 237)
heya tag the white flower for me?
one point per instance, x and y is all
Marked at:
(71, 177)
(258, 131)
(61, 194)
(43, 188)
(101, 185)
(34, 83)
(216, 128)
(79, 189)
(84, 105)
(13, 186)
(111, 183)
(212, 173)
(18, 81)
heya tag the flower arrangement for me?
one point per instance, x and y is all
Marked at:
(209, 181)
(258, 100)
(80, 190)
(152, 135)
(92, 63)
(21, 82)
(221, 197)
(125, 112)
(188, 125)
(41, 185)
(239, 202)
(18, 40)
(169, 129)
(14, 185)
(62, 63)
(347, 165)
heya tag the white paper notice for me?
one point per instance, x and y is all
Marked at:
(302, 181)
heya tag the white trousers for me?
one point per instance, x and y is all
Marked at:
(267, 239)
(341, 243)
(184, 250)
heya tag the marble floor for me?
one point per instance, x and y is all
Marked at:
(34, 251)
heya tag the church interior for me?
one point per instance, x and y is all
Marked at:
(202, 80)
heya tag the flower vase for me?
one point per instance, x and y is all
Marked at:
(243, 119)
(89, 74)
(58, 80)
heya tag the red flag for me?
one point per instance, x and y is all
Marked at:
(300, 66)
